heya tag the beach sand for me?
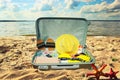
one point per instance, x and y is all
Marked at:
(16, 55)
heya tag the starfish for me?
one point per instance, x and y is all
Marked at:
(112, 74)
(97, 72)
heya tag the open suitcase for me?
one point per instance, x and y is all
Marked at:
(48, 29)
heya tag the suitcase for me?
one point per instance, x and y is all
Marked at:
(48, 29)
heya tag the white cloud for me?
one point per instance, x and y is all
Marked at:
(7, 15)
(102, 7)
(95, 8)
(4, 2)
(102, 10)
(69, 3)
(73, 3)
(44, 5)
(87, 0)
(115, 5)
(8, 5)
(56, 8)
(12, 10)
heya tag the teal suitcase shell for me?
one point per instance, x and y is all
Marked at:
(53, 27)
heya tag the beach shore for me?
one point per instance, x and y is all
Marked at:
(16, 55)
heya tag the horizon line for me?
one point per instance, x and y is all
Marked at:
(17, 20)
(35, 20)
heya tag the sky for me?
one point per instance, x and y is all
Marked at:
(33, 9)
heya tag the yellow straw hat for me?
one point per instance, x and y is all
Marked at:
(67, 44)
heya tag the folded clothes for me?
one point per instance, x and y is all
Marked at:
(45, 60)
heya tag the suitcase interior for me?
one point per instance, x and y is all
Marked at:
(48, 30)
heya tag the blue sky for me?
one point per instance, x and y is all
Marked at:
(32, 9)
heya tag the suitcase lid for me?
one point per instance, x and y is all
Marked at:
(53, 27)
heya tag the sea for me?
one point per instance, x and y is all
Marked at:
(27, 27)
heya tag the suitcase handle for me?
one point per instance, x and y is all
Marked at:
(65, 66)
(46, 67)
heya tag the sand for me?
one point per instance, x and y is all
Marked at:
(16, 55)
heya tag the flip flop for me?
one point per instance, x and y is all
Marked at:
(40, 44)
(50, 44)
